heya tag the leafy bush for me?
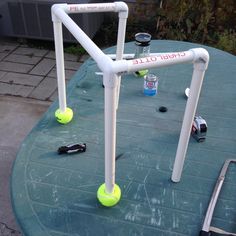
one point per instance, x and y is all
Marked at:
(210, 22)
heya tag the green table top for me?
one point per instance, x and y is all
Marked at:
(56, 194)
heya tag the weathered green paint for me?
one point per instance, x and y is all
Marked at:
(56, 194)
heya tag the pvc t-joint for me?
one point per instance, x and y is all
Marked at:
(106, 65)
(110, 80)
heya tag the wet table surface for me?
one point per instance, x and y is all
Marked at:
(56, 194)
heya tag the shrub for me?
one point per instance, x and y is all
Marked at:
(210, 22)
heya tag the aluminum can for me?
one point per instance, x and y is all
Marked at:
(150, 85)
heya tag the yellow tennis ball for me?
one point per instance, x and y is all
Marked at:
(141, 73)
(64, 117)
(108, 199)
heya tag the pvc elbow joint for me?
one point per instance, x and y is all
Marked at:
(55, 8)
(123, 9)
(201, 55)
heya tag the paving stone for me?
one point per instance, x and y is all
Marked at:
(15, 89)
(13, 131)
(15, 67)
(67, 56)
(24, 79)
(7, 46)
(54, 96)
(3, 55)
(43, 67)
(68, 73)
(70, 57)
(31, 51)
(7, 157)
(2, 73)
(71, 65)
(84, 58)
(45, 89)
(51, 55)
(27, 59)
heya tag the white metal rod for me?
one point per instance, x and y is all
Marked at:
(120, 50)
(110, 132)
(58, 38)
(190, 110)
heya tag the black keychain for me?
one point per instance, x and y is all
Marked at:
(72, 148)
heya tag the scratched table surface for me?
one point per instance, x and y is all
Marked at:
(56, 194)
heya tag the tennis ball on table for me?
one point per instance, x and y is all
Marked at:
(108, 199)
(64, 117)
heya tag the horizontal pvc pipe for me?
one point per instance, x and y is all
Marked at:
(129, 56)
(94, 7)
(155, 61)
(161, 60)
(89, 8)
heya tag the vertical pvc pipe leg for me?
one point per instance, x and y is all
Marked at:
(190, 110)
(57, 27)
(64, 114)
(119, 51)
(110, 138)
(109, 193)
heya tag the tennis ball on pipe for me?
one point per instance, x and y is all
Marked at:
(64, 117)
(108, 199)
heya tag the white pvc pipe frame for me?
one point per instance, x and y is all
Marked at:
(112, 71)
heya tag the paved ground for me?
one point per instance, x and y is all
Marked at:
(28, 86)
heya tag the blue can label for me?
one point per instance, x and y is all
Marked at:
(150, 85)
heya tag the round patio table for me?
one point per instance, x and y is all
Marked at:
(56, 194)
